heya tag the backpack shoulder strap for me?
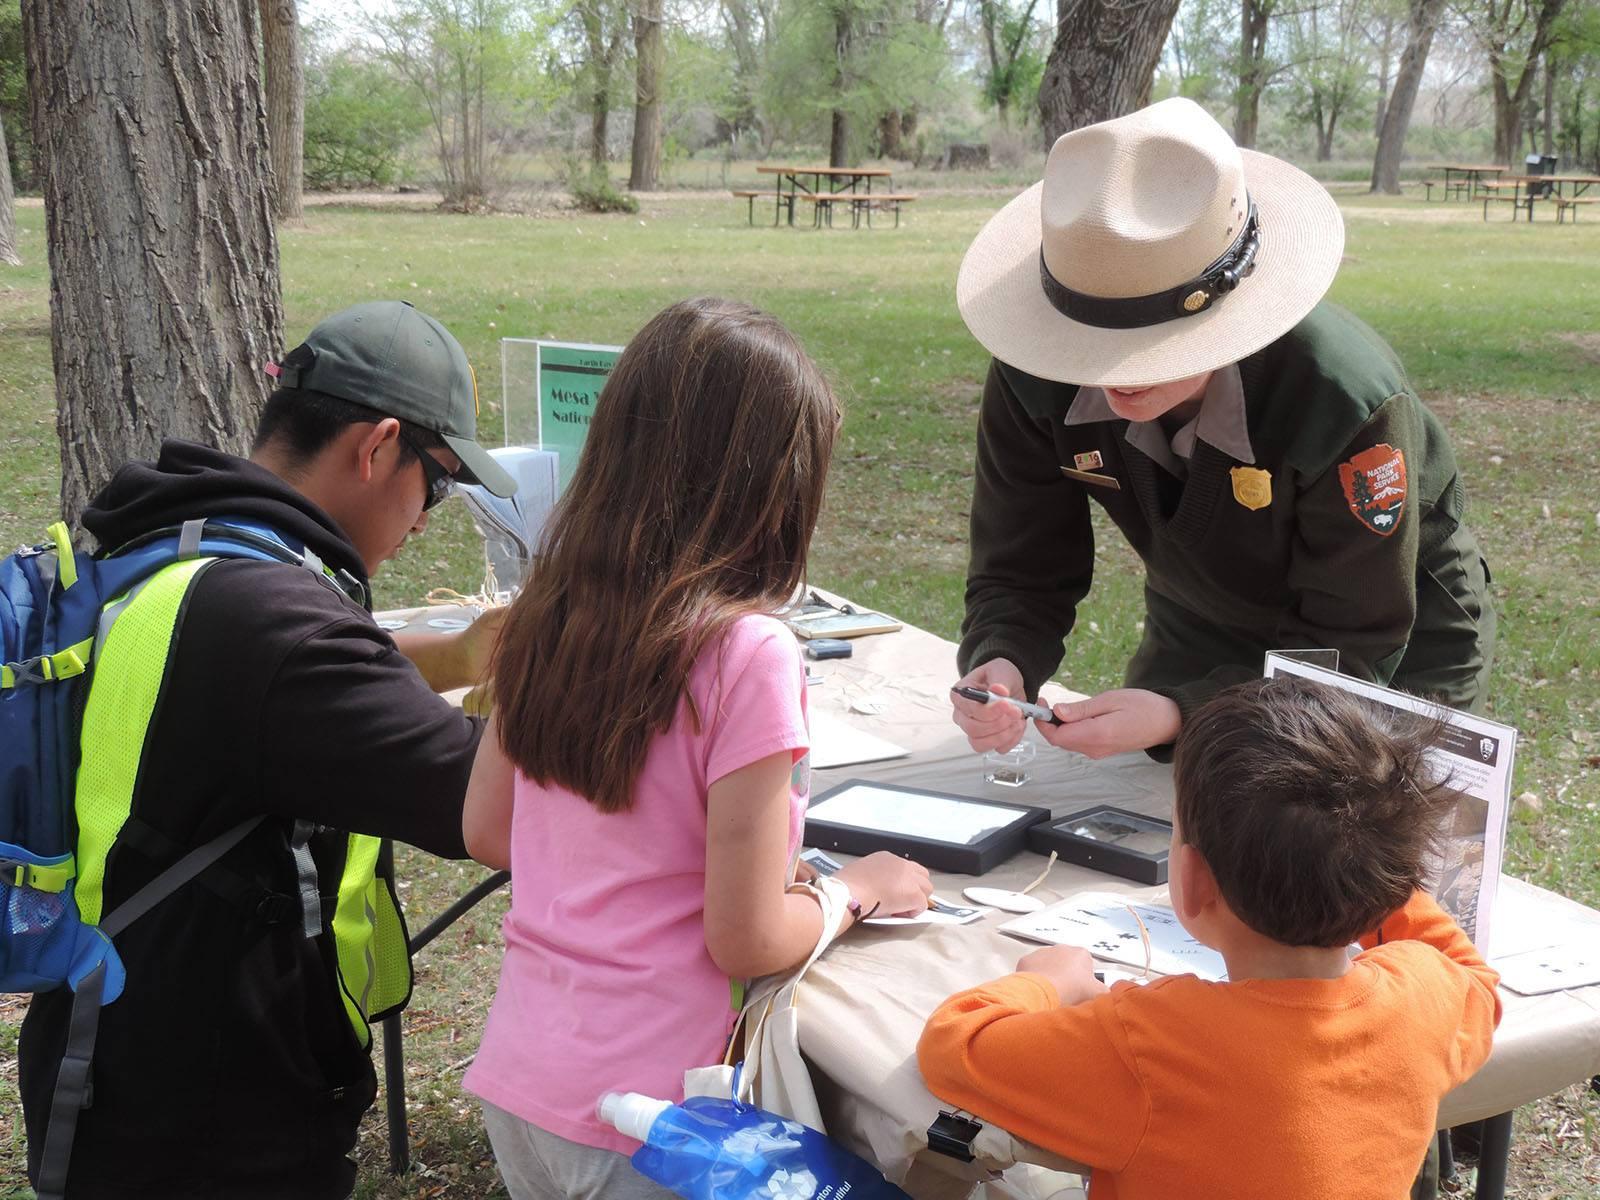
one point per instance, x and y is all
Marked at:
(72, 1079)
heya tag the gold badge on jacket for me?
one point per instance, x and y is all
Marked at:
(1252, 487)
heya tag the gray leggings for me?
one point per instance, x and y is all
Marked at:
(537, 1165)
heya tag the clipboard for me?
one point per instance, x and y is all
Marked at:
(816, 618)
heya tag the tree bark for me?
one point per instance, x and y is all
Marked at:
(890, 128)
(1549, 105)
(151, 135)
(839, 133)
(649, 49)
(1385, 52)
(286, 105)
(1253, 16)
(8, 227)
(1102, 61)
(1421, 22)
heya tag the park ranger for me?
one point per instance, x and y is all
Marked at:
(1162, 347)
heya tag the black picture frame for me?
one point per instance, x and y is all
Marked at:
(963, 858)
(1100, 855)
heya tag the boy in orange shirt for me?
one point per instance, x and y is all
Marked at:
(1302, 822)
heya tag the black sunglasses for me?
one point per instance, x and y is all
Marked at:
(440, 482)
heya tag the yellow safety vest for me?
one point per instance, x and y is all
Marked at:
(130, 667)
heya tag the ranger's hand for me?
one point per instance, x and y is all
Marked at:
(991, 726)
(1114, 722)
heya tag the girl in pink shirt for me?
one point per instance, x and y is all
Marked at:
(645, 775)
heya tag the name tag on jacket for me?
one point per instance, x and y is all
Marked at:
(1090, 477)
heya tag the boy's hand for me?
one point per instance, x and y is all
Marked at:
(1069, 968)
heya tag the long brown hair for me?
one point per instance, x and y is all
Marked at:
(693, 504)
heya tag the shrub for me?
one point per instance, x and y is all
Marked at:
(593, 191)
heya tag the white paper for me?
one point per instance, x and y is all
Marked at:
(1102, 924)
(1478, 758)
(1553, 969)
(913, 814)
(945, 913)
(837, 744)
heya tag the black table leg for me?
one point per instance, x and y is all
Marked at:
(1494, 1155)
(394, 1054)
(1447, 1157)
(394, 1096)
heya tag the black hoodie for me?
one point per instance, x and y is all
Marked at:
(228, 1068)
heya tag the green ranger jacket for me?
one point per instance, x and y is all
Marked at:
(1344, 533)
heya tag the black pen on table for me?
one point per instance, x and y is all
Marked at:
(1037, 711)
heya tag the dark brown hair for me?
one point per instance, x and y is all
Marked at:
(1315, 810)
(693, 504)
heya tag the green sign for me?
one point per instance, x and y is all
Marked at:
(570, 378)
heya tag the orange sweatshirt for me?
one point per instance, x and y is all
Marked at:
(1258, 1089)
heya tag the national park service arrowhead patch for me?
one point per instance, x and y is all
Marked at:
(1374, 483)
(1252, 487)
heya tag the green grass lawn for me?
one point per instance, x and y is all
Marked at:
(1499, 324)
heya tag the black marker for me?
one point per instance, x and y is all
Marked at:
(1037, 711)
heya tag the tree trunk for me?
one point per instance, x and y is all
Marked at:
(649, 50)
(1507, 117)
(839, 134)
(1421, 22)
(1102, 61)
(286, 105)
(1325, 139)
(890, 129)
(1549, 105)
(151, 134)
(1385, 51)
(598, 120)
(839, 140)
(8, 227)
(1252, 55)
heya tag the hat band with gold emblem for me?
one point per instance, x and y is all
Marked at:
(1138, 312)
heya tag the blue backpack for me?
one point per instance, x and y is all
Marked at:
(56, 607)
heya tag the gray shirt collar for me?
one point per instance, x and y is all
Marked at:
(1220, 423)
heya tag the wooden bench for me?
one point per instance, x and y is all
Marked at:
(1492, 195)
(823, 206)
(826, 203)
(750, 197)
(883, 201)
(1456, 186)
(1563, 203)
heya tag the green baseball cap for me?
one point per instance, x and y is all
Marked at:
(386, 355)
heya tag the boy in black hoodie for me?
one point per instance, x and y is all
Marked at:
(235, 1064)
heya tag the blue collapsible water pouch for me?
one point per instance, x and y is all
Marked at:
(713, 1149)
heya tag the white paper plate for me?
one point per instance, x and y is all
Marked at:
(1013, 902)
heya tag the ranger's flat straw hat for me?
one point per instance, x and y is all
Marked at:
(1154, 249)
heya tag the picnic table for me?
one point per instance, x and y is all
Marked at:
(828, 188)
(863, 1005)
(1566, 192)
(1470, 183)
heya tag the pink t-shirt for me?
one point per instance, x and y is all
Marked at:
(606, 983)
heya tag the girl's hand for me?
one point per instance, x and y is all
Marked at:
(991, 726)
(1069, 968)
(897, 886)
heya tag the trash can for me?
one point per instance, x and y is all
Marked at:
(1539, 164)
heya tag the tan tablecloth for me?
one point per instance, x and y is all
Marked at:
(864, 1004)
